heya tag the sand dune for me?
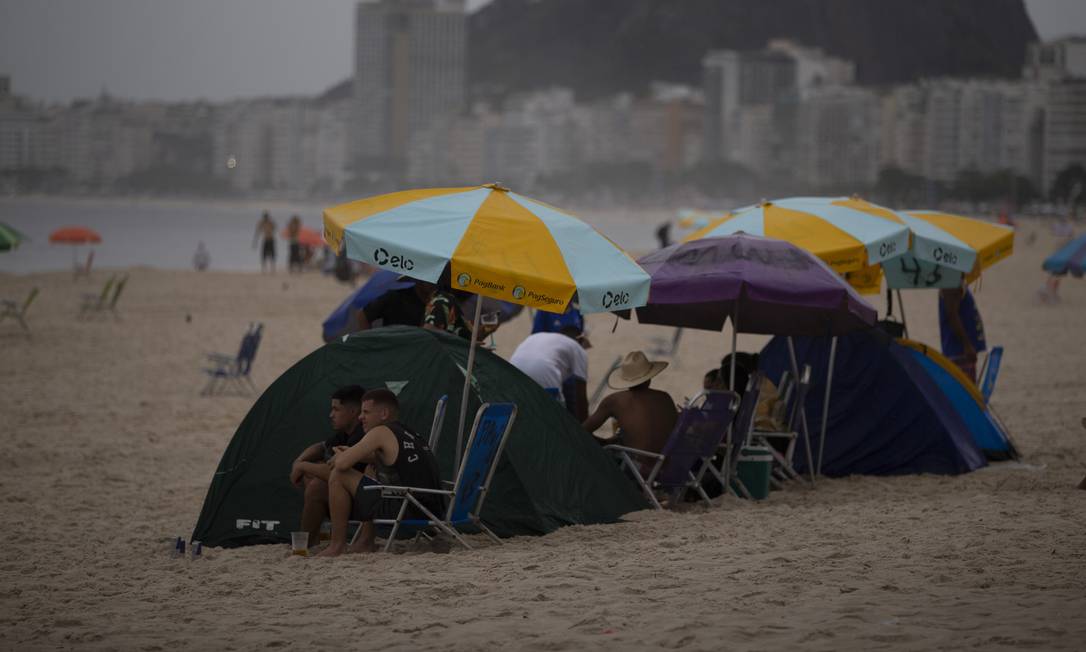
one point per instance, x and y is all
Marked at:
(109, 450)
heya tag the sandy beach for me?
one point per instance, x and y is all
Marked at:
(109, 450)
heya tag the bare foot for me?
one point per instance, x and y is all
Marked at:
(362, 546)
(334, 550)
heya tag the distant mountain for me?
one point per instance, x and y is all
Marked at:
(599, 47)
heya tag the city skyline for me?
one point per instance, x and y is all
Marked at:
(68, 49)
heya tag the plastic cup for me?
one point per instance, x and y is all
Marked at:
(299, 543)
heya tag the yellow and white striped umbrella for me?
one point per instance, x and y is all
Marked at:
(846, 239)
(495, 242)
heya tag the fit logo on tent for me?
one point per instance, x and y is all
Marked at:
(615, 299)
(256, 524)
(382, 257)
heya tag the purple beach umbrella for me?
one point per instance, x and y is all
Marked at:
(766, 286)
(763, 285)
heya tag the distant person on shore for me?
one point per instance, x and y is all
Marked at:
(294, 248)
(265, 232)
(645, 416)
(552, 359)
(201, 260)
(663, 235)
(397, 456)
(961, 329)
(404, 307)
(311, 470)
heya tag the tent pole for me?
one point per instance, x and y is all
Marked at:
(826, 400)
(467, 383)
(802, 410)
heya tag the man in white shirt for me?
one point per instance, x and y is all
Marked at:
(551, 359)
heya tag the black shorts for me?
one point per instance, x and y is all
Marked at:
(269, 249)
(295, 255)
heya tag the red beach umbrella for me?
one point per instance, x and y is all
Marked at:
(307, 237)
(76, 235)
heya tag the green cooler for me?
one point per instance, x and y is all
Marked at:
(755, 466)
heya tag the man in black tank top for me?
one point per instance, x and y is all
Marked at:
(396, 456)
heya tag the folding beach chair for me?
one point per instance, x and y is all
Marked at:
(488, 435)
(738, 437)
(117, 289)
(9, 308)
(697, 434)
(792, 405)
(227, 369)
(990, 372)
(93, 303)
(439, 421)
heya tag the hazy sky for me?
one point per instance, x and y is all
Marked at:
(220, 49)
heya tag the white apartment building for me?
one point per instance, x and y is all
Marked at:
(838, 132)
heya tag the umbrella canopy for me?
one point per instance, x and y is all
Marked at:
(847, 240)
(495, 242)
(1069, 258)
(764, 285)
(306, 236)
(943, 246)
(75, 235)
(9, 237)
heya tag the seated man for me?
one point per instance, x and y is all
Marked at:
(551, 359)
(645, 416)
(310, 471)
(396, 455)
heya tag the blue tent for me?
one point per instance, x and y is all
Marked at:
(1069, 258)
(888, 415)
(343, 320)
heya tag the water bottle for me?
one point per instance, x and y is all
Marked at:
(197, 550)
(178, 548)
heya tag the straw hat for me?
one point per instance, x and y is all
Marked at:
(634, 370)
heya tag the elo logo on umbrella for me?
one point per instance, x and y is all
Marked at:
(382, 257)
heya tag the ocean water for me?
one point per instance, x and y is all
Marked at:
(164, 233)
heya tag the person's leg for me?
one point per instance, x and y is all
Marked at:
(315, 508)
(342, 486)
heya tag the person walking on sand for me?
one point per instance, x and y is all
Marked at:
(310, 471)
(961, 329)
(397, 456)
(265, 231)
(294, 247)
(645, 416)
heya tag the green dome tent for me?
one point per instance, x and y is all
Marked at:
(551, 474)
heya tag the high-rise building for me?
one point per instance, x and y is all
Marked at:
(1064, 129)
(410, 71)
(1055, 60)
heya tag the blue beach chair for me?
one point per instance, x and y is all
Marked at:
(488, 435)
(700, 428)
(990, 372)
(227, 369)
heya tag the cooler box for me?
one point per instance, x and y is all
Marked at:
(755, 466)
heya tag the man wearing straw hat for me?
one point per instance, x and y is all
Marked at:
(645, 416)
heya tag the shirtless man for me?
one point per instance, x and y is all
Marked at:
(645, 416)
(311, 470)
(396, 455)
(265, 230)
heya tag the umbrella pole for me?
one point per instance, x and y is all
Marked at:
(735, 333)
(467, 384)
(802, 412)
(901, 306)
(826, 399)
